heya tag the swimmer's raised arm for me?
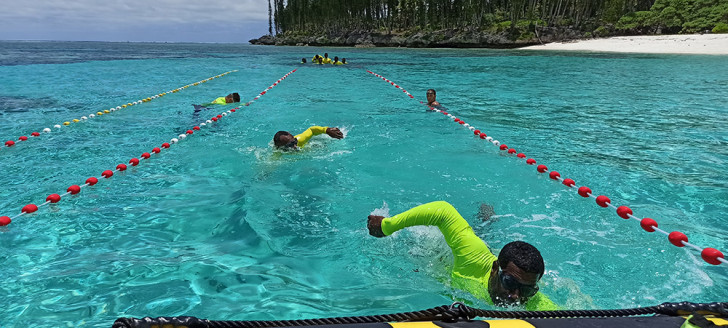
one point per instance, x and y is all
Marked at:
(470, 252)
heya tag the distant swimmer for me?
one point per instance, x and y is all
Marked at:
(231, 98)
(320, 61)
(315, 58)
(286, 141)
(336, 61)
(303, 60)
(509, 279)
(326, 59)
(343, 61)
(431, 98)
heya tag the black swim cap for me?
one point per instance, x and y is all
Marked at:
(236, 97)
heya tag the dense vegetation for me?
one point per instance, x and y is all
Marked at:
(592, 17)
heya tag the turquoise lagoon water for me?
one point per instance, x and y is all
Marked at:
(218, 227)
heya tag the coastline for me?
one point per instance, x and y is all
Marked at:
(696, 44)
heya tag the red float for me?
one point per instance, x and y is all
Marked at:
(503, 147)
(476, 132)
(156, 150)
(214, 119)
(4, 220)
(457, 119)
(710, 255)
(9, 143)
(483, 136)
(146, 155)
(530, 161)
(584, 191)
(569, 182)
(603, 200)
(107, 174)
(521, 155)
(219, 116)
(190, 132)
(35, 134)
(75, 189)
(134, 161)
(511, 151)
(624, 212)
(196, 128)
(444, 113)
(554, 175)
(165, 145)
(121, 167)
(23, 138)
(648, 224)
(677, 237)
(53, 198)
(233, 110)
(542, 168)
(30, 208)
(92, 181)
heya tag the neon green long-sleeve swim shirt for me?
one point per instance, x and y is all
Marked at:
(217, 101)
(473, 259)
(304, 137)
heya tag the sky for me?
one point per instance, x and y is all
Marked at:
(233, 21)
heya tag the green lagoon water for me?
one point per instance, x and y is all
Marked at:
(219, 227)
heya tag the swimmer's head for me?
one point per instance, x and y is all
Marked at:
(285, 140)
(231, 98)
(515, 275)
(431, 95)
(303, 60)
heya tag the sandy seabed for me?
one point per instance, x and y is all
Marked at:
(703, 44)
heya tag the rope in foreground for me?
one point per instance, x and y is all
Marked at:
(11, 143)
(453, 313)
(75, 189)
(677, 238)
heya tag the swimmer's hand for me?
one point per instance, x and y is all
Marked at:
(335, 133)
(374, 223)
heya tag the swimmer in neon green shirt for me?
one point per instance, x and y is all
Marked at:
(285, 140)
(509, 279)
(231, 98)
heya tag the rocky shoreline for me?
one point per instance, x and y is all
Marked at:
(448, 38)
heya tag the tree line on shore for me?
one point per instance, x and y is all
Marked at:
(520, 17)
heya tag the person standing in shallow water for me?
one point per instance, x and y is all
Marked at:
(432, 98)
(510, 279)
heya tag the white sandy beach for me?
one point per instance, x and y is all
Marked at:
(706, 44)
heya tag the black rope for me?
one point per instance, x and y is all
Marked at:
(452, 313)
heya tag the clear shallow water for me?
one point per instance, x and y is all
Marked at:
(219, 227)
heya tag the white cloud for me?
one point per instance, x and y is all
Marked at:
(138, 11)
(91, 19)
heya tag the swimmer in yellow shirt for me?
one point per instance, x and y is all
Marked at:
(285, 140)
(231, 98)
(326, 59)
(509, 279)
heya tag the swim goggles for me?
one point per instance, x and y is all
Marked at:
(510, 283)
(292, 145)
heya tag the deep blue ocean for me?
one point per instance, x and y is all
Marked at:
(220, 226)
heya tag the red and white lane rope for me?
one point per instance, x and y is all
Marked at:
(11, 143)
(677, 238)
(75, 189)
